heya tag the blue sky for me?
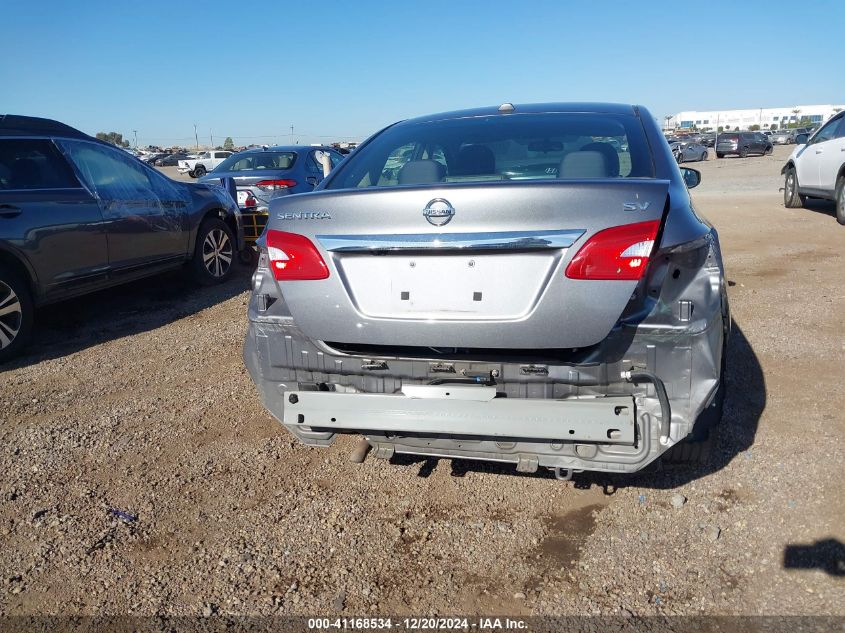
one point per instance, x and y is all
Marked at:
(331, 69)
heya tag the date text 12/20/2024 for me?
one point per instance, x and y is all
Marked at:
(418, 624)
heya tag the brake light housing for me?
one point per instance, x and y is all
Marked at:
(294, 257)
(620, 253)
(275, 184)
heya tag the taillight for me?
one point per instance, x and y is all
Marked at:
(250, 202)
(294, 257)
(620, 252)
(272, 185)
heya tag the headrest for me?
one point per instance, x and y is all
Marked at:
(611, 156)
(473, 160)
(421, 172)
(583, 164)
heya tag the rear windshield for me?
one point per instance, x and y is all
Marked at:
(729, 137)
(254, 161)
(567, 146)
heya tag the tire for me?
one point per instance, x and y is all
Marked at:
(791, 198)
(704, 155)
(769, 150)
(16, 313)
(690, 453)
(248, 257)
(719, 155)
(743, 152)
(199, 171)
(191, 174)
(840, 200)
(214, 255)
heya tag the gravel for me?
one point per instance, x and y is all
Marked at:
(141, 475)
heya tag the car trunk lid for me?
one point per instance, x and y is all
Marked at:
(479, 266)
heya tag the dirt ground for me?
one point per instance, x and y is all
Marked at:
(140, 474)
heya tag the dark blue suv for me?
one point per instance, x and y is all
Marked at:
(78, 215)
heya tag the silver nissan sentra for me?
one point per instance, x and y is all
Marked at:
(526, 284)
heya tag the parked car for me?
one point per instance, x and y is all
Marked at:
(78, 215)
(685, 151)
(816, 167)
(263, 174)
(203, 163)
(742, 144)
(519, 292)
(782, 137)
(708, 139)
(170, 160)
(151, 159)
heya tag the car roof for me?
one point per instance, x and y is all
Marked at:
(18, 125)
(529, 108)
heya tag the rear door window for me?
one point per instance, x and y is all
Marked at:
(34, 164)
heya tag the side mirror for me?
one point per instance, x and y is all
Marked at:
(802, 139)
(692, 177)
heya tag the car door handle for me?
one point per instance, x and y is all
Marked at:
(819, 151)
(9, 211)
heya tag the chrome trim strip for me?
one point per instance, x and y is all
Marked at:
(448, 241)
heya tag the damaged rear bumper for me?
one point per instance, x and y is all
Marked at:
(576, 412)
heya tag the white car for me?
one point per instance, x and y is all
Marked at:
(816, 167)
(202, 164)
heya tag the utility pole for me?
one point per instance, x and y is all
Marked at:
(196, 138)
(135, 132)
(291, 134)
(211, 134)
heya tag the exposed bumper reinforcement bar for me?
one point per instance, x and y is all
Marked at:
(454, 410)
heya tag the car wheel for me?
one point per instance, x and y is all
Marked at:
(695, 448)
(769, 150)
(248, 257)
(704, 155)
(791, 198)
(719, 155)
(743, 152)
(199, 171)
(16, 313)
(840, 200)
(191, 174)
(214, 253)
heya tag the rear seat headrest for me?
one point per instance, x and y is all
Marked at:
(583, 164)
(421, 172)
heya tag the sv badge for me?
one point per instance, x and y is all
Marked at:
(635, 206)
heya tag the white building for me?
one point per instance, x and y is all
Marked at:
(766, 118)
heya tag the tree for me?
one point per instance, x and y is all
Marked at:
(774, 126)
(754, 128)
(113, 137)
(229, 144)
(721, 129)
